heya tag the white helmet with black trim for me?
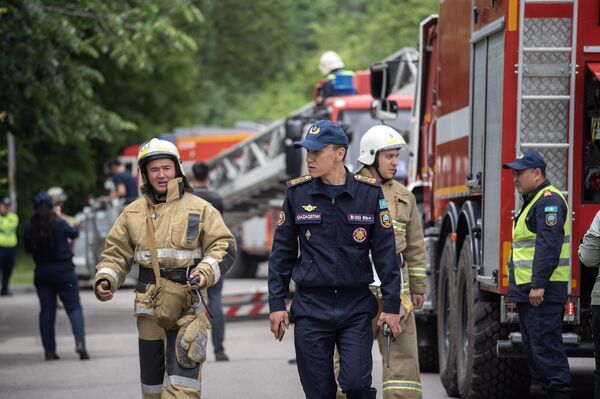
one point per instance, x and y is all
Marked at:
(156, 149)
(57, 194)
(330, 61)
(379, 138)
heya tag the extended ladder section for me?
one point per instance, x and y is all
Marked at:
(252, 173)
(546, 90)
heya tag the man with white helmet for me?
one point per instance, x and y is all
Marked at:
(182, 246)
(338, 81)
(379, 150)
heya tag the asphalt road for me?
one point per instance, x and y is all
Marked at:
(259, 366)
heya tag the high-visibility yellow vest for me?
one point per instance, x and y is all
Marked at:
(8, 230)
(523, 245)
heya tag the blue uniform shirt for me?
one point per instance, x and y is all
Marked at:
(335, 236)
(548, 245)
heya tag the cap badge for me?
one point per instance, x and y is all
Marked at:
(314, 130)
(521, 156)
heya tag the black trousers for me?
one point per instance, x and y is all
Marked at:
(596, 333)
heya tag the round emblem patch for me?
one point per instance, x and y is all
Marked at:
(385, 219)
(359, 235)
(281, 219)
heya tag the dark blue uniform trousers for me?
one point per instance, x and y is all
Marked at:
(217, 324)
(541, 329)
(325, 318)
(7, 263)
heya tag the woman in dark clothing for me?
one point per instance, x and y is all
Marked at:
(47, 239)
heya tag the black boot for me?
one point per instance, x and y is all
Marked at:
(52, 356)
(83, 353)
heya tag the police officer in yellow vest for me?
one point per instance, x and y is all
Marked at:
(8, 242)
(539, 272)
(175, 237)
(379, 150)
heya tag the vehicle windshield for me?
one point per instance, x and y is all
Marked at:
(359, 121)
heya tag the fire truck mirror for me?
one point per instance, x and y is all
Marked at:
(384, 109)
(294, 129)
(382, 79)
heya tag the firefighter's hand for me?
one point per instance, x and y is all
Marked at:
(536, 296)
(103, 291)
(418, 300)
(392, 320)
(197, 280)
(279, 322)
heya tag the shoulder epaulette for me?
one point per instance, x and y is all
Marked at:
(547, 193)
(367, 180)
(298, 180)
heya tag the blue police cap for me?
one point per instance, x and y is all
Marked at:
(527, 160)
(321, 134)
(42, 199)
(5, 201)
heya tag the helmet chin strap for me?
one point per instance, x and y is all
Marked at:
(376, 167)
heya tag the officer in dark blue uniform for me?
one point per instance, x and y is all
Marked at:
(539, 272)
(337, 219)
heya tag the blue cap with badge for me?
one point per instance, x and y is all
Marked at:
(529, 159)
(321, 134)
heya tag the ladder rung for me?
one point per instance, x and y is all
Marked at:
(545, 145)
(549, 1)
(547, 49)
(546, 97)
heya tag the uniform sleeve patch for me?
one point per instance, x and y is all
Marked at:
(368, 180)
(385, 219)
(383, 204)
(281, 219)
(298, 180)
(551, 209)
(551, 219)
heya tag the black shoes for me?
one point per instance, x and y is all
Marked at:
(52, 356)
(83, 353)
(221, 357)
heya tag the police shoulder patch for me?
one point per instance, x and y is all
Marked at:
(551, 219)
(298, 180)
(367, 180)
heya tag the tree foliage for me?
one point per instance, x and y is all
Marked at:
(82, 78)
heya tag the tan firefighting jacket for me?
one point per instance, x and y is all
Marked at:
(409, 233)
(188, 232)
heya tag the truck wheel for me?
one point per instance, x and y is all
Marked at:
(446, 331)
(427, 344)
(481, 374)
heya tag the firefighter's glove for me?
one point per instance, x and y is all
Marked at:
(192, 341)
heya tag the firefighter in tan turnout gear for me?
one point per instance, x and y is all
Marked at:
(182, 239)
(379, 149)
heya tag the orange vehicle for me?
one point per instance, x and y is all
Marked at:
(495, 78)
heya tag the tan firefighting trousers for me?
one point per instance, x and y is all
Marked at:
(162, 377)
(402, 379)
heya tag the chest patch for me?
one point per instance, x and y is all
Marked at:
(308, 218)
(361, 218)
(551, 219)
(385, 219)
(359, 235)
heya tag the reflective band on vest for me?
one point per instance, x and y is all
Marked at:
(523, 245)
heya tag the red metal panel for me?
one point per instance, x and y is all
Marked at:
(594, 67)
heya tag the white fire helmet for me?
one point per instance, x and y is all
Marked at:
(156, 149)
(57, 194)
(330, 61)
(379, 138)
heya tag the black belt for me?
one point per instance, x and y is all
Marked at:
(177, 275)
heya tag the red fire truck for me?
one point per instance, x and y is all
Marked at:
(497, 77)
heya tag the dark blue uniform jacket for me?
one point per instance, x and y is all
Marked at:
(59, 256)
(548, 245)
(335, 236)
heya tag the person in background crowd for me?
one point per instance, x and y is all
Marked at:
(200, 182)
(9, 221)
(125, 185)
(47, 239)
